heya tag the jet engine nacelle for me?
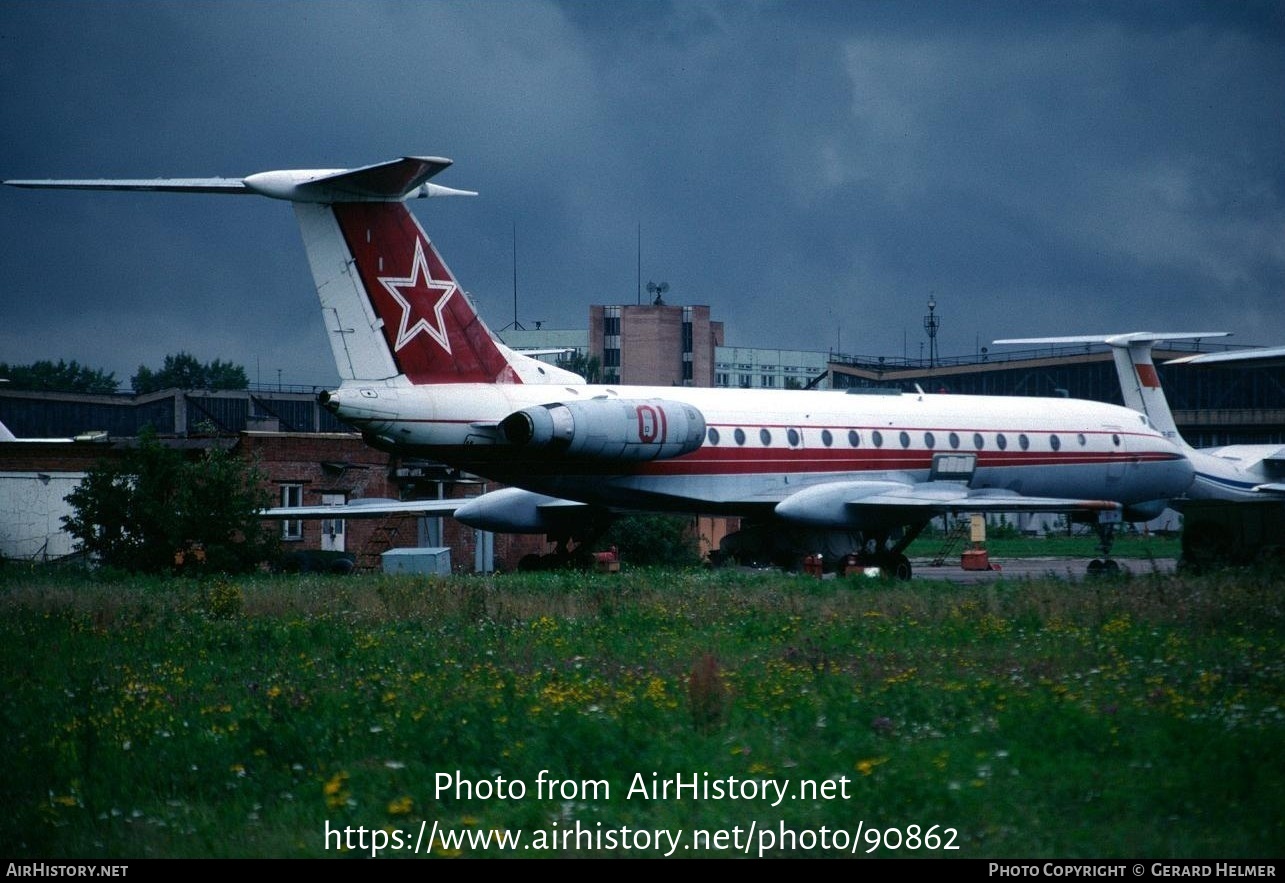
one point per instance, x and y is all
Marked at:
(513, 510)
(608, 429)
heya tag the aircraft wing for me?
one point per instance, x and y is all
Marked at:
(863, 503)
(1263, 357)
(372, 508)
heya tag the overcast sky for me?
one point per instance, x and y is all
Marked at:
(813, 171)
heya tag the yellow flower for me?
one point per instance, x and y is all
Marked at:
(336, 791)
(866, 766)
(401, 805)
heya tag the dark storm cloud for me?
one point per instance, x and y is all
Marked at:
(813, 171)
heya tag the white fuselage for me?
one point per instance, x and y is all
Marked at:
(761, 445)
(1230, 473)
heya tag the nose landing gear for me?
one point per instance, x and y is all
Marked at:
(1105, 529)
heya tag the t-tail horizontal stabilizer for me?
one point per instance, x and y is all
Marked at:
(392, 181)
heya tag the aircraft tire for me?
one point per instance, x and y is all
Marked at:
(897, 568)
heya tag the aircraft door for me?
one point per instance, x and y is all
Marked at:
(1119, 458)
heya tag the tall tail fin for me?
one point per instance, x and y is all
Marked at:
(401, 312)
(391, 304)
(1139, 382)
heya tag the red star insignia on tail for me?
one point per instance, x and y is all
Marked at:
(414, 294)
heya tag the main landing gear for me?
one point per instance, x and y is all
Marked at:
(1105, 529)
(565, 556)
(889, 558)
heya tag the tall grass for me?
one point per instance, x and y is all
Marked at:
(1129, 718)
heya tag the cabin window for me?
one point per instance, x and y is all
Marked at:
(713, 436)
(1001, 442)
(905, 439)
(954, 440)
(1082, 440)
(827, 438)
(929, 441)
(739, 435)
(1055, 443)
(792, 436)
(1023, 442)
(765, 437)
(978, 441)
(854, 438)
(1115, 439)
(877, 436)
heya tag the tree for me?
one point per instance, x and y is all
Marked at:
(47, 376)
(184, 371)
(153, 510)
(587, 366)
(653, 540)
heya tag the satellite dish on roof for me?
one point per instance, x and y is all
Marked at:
(657, 290)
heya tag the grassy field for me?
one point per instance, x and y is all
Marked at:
(1083, 544)
(1133, 718)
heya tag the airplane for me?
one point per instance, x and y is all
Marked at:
(6, 435)
(852, 477)
(1250, 478)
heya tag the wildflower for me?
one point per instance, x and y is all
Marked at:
(336, 790)
(867, 765)
(400, 806)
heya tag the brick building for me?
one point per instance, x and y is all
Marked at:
(300, 469)
(654, 344)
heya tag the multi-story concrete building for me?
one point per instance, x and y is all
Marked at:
(738, 367)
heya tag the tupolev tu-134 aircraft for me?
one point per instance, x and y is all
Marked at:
(808, 472)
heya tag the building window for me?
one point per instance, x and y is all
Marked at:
(291, 496)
